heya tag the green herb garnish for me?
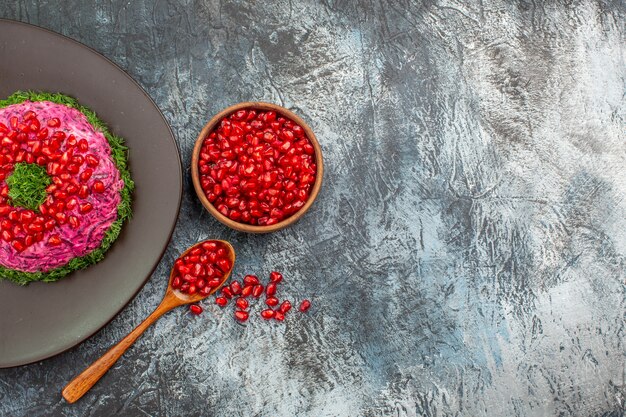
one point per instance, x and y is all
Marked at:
(27, 185)
(119, 155)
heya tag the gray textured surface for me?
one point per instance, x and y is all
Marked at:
(466, 255)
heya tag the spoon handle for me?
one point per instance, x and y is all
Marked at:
(83, 382)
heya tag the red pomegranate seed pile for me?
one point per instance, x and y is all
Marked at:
(251, 288)
(201, 270)
(68, 163)
(257, 168)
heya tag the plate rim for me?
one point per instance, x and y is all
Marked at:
(178, 205)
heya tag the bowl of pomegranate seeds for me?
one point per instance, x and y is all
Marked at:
(257, 167)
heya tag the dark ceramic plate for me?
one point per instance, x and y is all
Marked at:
(41, 320)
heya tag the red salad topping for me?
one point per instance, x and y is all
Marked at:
(257, 168)
(81, 188)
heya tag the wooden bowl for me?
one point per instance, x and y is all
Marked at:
(195, 174)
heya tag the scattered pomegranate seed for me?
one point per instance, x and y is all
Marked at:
(226, 292)
(242, 303)
(305, 305)
(250, 280)
(235, 287)
(257, 167)
(257, 290)
(285, 307)
(246, 291)
(271, 301)
(276, 277)
(195, 309)
(241, 315)
(270, 290)
(267, 313)
(187, 282)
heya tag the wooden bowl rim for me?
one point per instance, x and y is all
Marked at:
(195, 174)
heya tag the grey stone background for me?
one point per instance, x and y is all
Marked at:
(466, 255)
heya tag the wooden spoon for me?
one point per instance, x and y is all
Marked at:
(173, 298)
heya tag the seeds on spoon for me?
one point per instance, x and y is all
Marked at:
(200, 269)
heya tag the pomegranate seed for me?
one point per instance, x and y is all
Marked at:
(226, 292)
(18, 246)
(83, 191)
(221, 301)
(214, 283)
(270, 290)
(241, 315)
(209, 246)
(285, 307)
(235, 287)
(271, 301)
(55, 240)
(7, 236)
(276, 277)
(250, 280)
(246, 291)
(195, 309)
(98, 186)
(242, 303)
(85, 207)
(279, 316)
(305, 305)
(54, 122)
(223, 264)
(83, 145)
(92, 160)
(267, 314)
(86, 174)
(257, 290)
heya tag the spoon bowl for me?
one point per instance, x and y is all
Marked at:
(184, 298)
(173, 298)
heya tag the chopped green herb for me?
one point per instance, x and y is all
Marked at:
(27, 185)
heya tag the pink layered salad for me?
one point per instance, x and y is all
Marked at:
(83, 195)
